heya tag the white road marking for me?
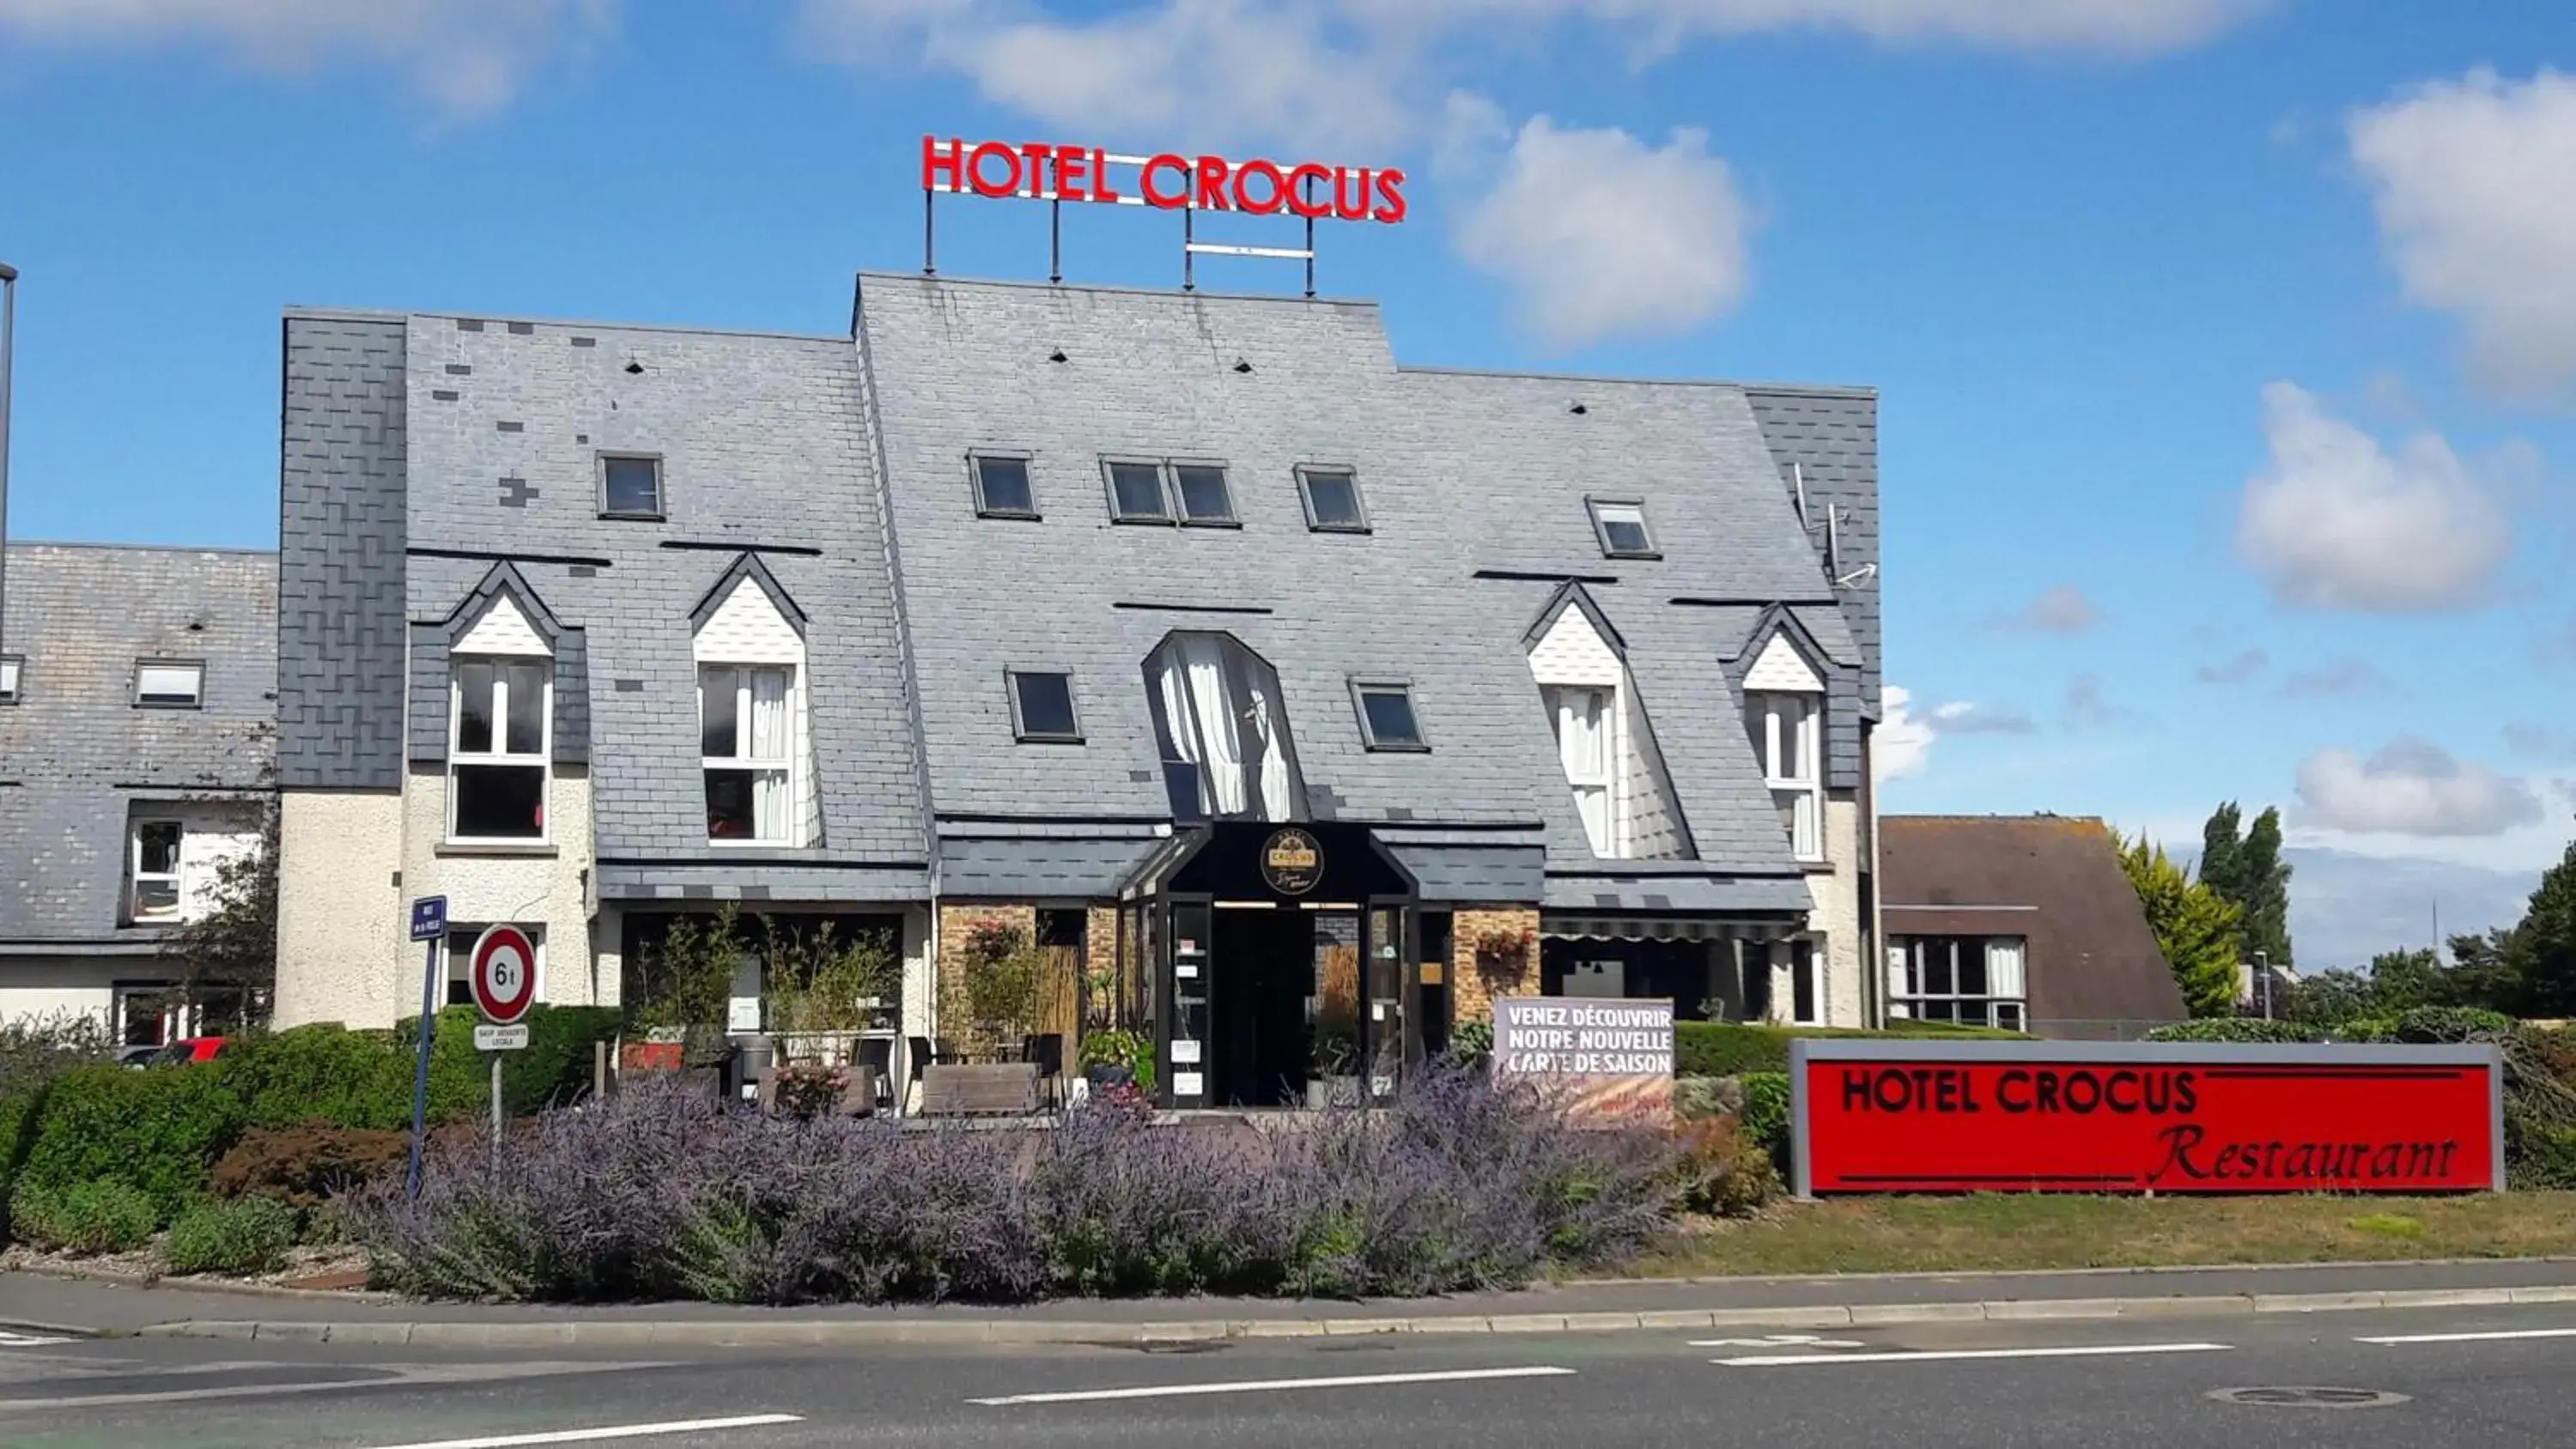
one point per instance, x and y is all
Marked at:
(1256, 1386)
(30, 1340)
(1779, 1340)
(2107, 1350)
(2495, 1337)
(613, 1431)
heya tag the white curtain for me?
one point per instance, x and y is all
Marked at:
(1583, 746)
(1173, 688)
(1274, 759)
(770, 744)
(1213, 703)
(2004, 969)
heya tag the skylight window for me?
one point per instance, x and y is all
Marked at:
(1002, 488)
(169, 683)
(1332, 500)
(1042, 707)
(1136, 493)
(1387, 720)
(1202, 491)
(1621, 526)
(630, 486)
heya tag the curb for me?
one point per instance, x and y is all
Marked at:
(960, 1333)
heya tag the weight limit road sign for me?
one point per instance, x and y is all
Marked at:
(504, 974)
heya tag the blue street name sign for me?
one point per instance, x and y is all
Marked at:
(429, 918)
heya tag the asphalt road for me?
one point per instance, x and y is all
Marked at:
(1991, 1386)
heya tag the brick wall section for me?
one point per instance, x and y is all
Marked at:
(1472, 991)
(1100, 959)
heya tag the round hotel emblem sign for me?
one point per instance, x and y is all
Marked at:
(1291, 862)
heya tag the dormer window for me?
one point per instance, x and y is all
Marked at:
(1620, 525)
(1002, 488)
(502, 711)
(1788, 736)
(746, 724)
(169, 684)
(1223, 731)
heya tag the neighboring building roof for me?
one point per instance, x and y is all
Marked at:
(1462, 473)
(75, 750)
(2054, 880)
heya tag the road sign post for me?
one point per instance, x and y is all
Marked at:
(503, 977)
(428, 925)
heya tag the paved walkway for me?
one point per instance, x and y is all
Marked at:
(33, 1300)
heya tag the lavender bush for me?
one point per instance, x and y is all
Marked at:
(658, 1193)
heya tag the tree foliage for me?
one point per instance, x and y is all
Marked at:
(231, 950)
(2540, 953)
(2244, 866)
(2195, 927)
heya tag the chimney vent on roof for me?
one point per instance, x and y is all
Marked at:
(634, 368)
(1242, 366)
(1578, 410)
(1056, 356)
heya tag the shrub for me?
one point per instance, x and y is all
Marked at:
(2544, 1158)
(2363, 1030)
(809, 1089)
(2550, 1049)
(322, 1074)
(2425, 1025)
(1733, 1048)
(304, 1167)
(2240, 1029)
(1725, 1172)
(1765, 1115)
(247, 1236)
(553, 1070)
(1471, 1044)
(155, 1131)
(1695, 1097)
(104, 1216)
(1457, 1183)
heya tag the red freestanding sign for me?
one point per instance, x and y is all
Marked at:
(503, 974)
(1997, 1116)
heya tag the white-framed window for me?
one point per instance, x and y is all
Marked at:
(1788, 735)
(501, 714)
(1619, 524)
(1169, 491)
(747, 720)
(12, 666)
(1001, 484)
(1388, 721)
(630, 486)
(153, 894)
(1332, 497)
(169, 683)
(1042, 708)
(1587, 722)
(1972, 980)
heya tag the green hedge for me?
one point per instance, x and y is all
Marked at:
(2243, 1029)
(155, 1131)
(553, 1069)
(1733, 1048)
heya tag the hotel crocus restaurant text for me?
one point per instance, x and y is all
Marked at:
(1168, 181)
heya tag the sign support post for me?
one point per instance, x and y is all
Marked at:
(428, 925)
(503, 977)
(496, 1110)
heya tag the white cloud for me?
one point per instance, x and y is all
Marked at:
(2336, 522)
(1181, 73)
(2470, 181)
(466, 55)
(1596, 233)
(2346, 676)
(1902, 744)
(2242, 669)
(2411, 787)
(2120, 27)
(2060, 609)
(1966, 717)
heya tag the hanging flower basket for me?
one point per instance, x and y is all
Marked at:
(1502, 952)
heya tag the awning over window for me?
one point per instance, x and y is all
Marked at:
(1667, 928)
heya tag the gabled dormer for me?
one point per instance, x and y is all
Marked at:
(1604, 743)
(747, 639)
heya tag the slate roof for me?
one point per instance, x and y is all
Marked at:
(2056, 881)
(1462, 473)
(764, 451)
(75, 751)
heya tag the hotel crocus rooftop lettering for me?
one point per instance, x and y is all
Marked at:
(1168, 181)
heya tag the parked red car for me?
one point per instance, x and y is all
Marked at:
(188, 1049)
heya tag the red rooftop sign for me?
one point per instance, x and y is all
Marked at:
(2006, 1116)
(1168, 181)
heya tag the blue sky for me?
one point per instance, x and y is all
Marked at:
(2227, 348)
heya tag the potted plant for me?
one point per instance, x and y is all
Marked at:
(1118, 1058)
(999, 983)
(678, 992)
(1502, 954)
(821, 990)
